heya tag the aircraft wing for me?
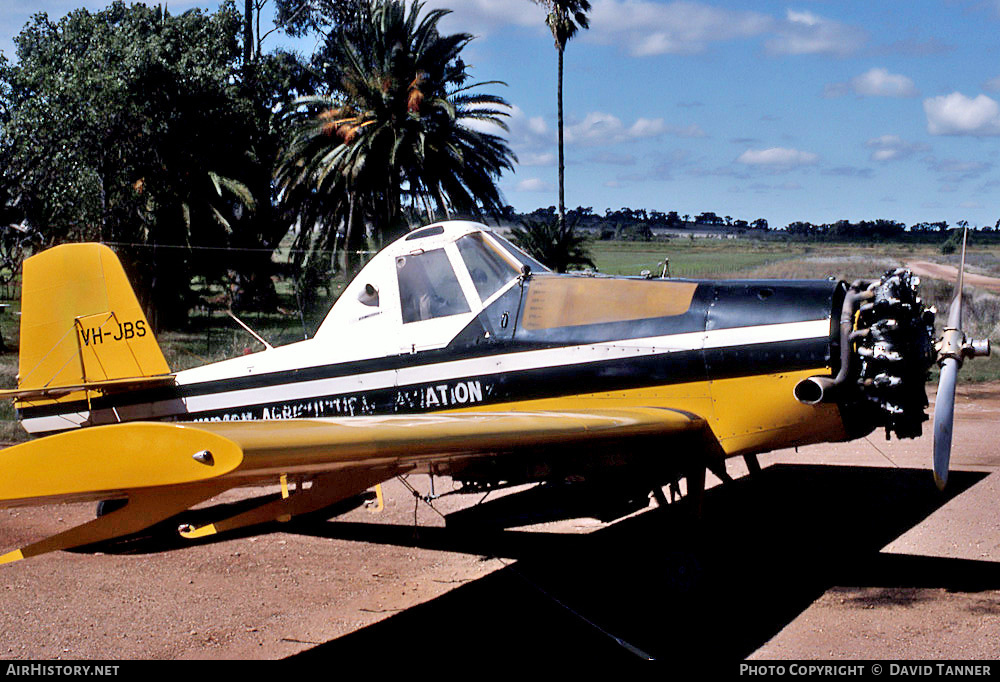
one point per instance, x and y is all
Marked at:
(165, 468)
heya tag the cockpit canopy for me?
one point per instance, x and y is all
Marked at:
(420, 291)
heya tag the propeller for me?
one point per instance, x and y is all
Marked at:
(953, 350)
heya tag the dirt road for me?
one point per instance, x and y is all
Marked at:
(950, 274)
(834, 551)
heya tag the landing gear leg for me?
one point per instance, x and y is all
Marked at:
(696, 486)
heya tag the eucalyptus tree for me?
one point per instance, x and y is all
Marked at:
(564, 19)
(402, 124)
(128, 125)
(303, 17)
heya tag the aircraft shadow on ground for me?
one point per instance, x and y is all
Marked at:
(673, 587)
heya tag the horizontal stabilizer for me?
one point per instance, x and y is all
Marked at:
(104, 387)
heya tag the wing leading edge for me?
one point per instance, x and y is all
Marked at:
(163, 469)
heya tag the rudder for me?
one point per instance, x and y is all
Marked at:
(81, 323)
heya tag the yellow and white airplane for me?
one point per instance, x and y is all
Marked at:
(454, 353)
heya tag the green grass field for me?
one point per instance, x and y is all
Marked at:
(694, 260)
(746, 258)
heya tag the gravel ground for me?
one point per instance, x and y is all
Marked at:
(834, 551)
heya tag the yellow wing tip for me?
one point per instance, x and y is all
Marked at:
(11, 557)
(189, 532)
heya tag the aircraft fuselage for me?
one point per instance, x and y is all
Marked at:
(731, 351)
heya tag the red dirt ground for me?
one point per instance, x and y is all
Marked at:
(950, 273)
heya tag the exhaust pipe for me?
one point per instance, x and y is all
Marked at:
(815, 390)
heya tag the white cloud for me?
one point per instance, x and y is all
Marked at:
(647, 127)
(892, 148)
(596, 128)
(646, 28)
(534, 185)
(601, 128)
(956, 114)
(777, 157)
(885, 155)
(653, 28)
(993, 84)
(528, 136)
(481, 17)
(528, 133)
(879, 82)
(536, 159)
(808, 33)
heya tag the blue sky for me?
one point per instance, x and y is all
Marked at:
(812, 110)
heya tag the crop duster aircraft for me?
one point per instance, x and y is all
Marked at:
(453, 352)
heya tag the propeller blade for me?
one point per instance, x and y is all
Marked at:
(951, 353)
(955, 311)
(944, 413)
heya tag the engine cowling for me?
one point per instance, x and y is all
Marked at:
(886, 343)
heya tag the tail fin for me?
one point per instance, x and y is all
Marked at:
(81, 326)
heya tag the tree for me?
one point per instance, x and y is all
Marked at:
(552, 243)
(708, 218)
(954, 241)
(801, 228)
(402, 124)
(302, 17)
(128, 126)
(564, 19)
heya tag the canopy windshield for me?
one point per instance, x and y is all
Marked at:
(517, 253)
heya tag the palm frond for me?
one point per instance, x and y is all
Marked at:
(393, 130)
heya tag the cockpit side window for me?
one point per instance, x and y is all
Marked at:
(428, 287)
(488, 268)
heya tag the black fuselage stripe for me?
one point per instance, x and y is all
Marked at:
(525, 384)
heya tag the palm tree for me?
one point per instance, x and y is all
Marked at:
(564, 19)
(402, 125)
(552, 243)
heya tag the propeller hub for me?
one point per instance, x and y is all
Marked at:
(976, 348)
(951, 345)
